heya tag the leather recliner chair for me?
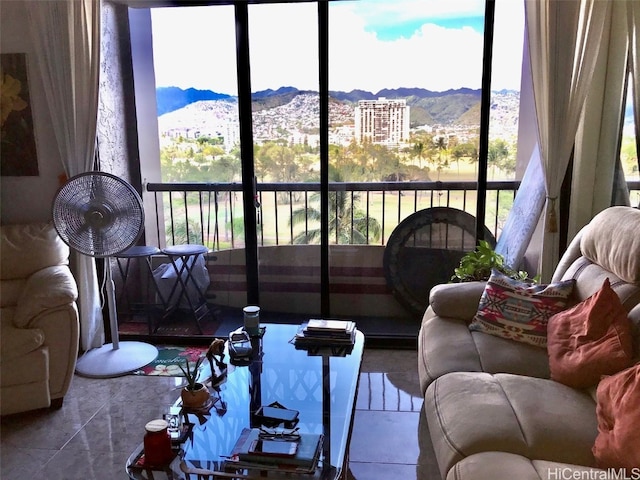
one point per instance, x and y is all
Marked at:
(38, 318)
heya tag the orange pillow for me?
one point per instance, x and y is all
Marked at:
(618, 442)
(590, 340)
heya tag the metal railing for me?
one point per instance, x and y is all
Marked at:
(211, 213)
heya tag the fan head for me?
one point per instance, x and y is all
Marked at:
(98, 214)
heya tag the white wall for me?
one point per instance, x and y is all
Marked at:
(28, 199)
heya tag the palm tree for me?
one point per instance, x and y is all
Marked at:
(419, 150)
(346, 224)
(441, 146)
(497, 155)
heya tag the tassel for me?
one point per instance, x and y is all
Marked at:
(552, 220)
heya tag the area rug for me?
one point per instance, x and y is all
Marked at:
(169, 357)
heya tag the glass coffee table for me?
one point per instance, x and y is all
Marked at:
(321, 384)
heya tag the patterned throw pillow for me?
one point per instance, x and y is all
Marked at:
(519, 310)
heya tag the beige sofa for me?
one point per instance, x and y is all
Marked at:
(492, 410)
(38, 318)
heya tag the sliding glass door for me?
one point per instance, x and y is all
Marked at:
(296, 137)
(199, 136)
(283, 46)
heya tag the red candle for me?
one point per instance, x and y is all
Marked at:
(157, 443)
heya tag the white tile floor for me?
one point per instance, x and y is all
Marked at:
(92, 435)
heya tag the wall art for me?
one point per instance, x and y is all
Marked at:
(18, 156)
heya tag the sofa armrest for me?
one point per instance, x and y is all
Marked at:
(456, 300)
(61, 330)
(49, 288)
(17, 342)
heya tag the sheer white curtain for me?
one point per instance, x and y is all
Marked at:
(66, 37)
(564, 38)
(595, 167)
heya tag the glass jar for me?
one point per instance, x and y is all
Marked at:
(157, 443)
(252, 319)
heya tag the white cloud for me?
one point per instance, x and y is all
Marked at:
(385, 12)
(195, 47)
(508, 38)
(283, 41)
(434, 58)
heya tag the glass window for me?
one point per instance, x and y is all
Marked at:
(405, 83)
(198, 126)
(504, 117)
(629, 151)
(409, 74)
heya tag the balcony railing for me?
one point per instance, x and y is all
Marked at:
(211, 213)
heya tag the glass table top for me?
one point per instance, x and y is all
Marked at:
(320, 385)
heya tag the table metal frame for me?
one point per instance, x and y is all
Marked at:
(188, 254)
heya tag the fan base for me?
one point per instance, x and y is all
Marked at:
(105, 362)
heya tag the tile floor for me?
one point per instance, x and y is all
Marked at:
(92, 435)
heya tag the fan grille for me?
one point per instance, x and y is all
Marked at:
(98, 214)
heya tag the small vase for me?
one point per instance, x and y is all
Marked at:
(195, 398)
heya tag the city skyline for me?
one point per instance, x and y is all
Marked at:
(194, 47)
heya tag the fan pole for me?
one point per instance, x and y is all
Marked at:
(111, 302)
(116, 358)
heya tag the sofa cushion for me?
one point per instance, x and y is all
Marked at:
(48, 288)
(28, 248)
(618, 442)
(612, 241)
(519, 310)
(469, 413)
(473, 352)
(589, 340)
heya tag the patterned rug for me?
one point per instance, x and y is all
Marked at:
(169, 357)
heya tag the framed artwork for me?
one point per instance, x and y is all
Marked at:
(18, 157)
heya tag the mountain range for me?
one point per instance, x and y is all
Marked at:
(461, 106)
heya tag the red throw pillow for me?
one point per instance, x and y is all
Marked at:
(618, 442)
(590, 340)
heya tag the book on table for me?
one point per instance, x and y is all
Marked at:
(303, 458)
(332, 332)
(326, 326)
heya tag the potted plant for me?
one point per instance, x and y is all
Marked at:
(195, 394)
(477, 265)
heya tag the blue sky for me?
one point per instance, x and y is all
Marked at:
(374, 44)
(409, 27)
(391, 20)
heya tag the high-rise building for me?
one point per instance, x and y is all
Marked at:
(382, 121)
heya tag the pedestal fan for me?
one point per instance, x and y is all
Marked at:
(101, 215)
